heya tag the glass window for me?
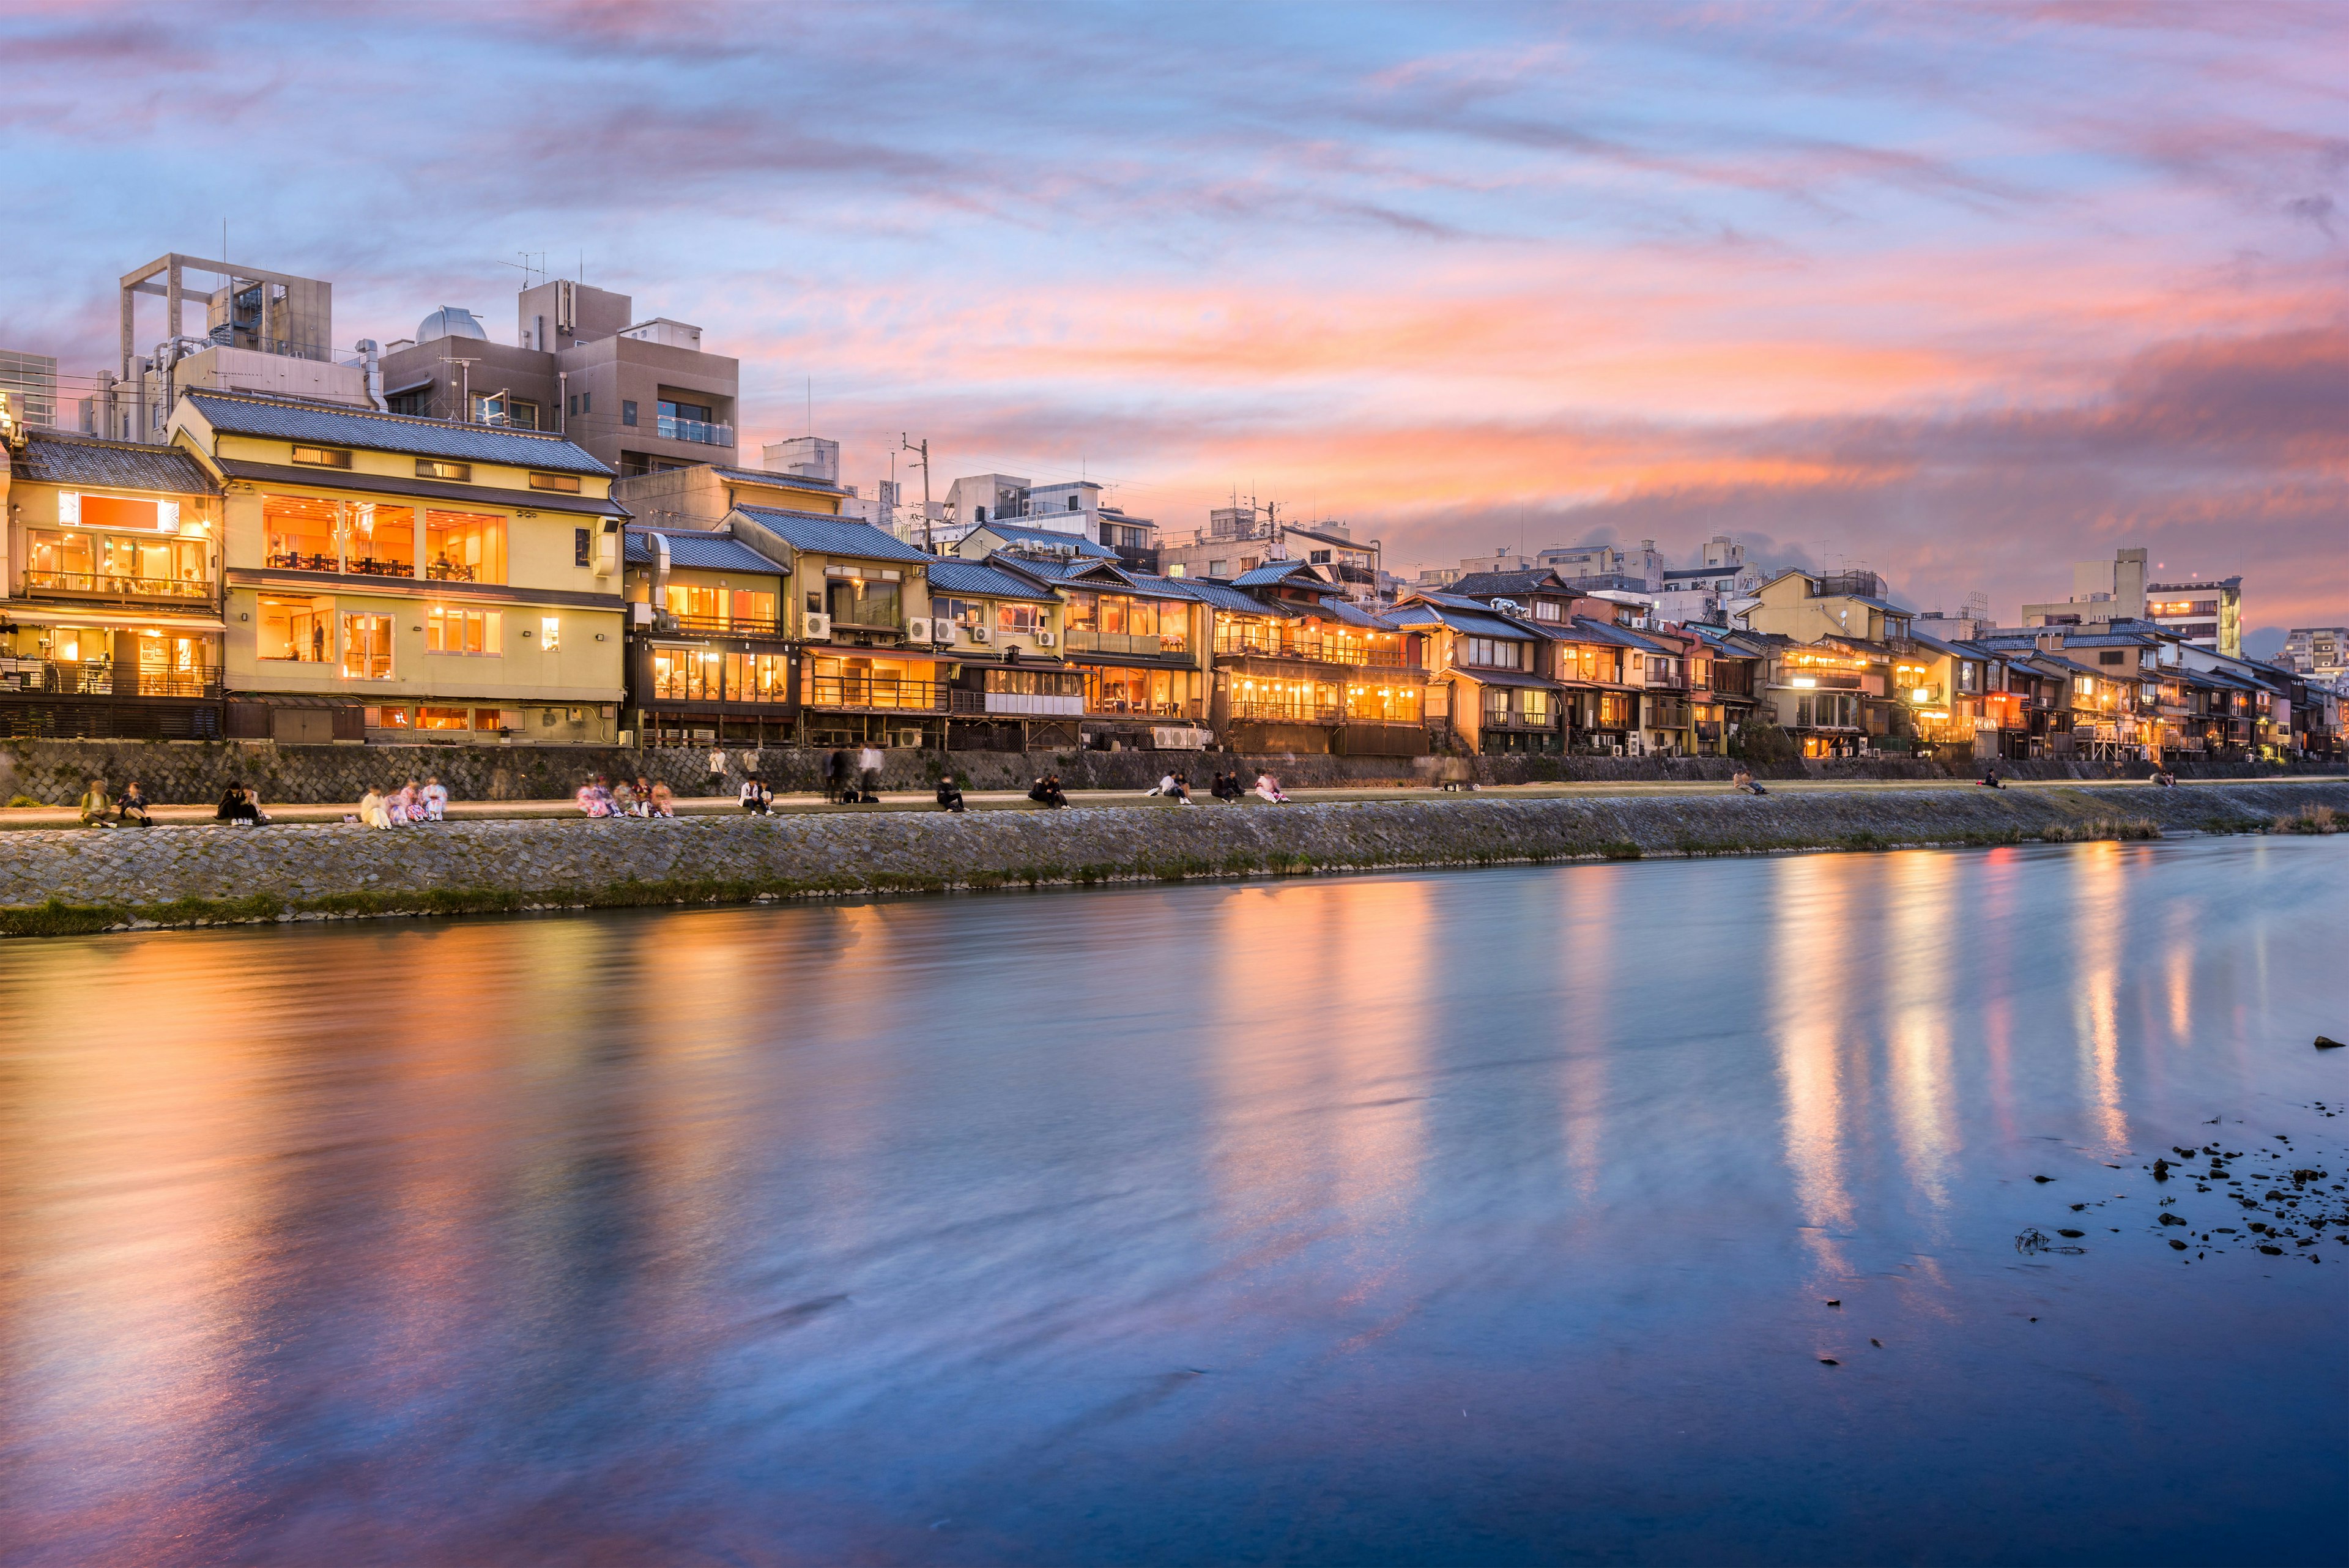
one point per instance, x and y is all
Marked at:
(463, 631)
(628, 411)
(757, 677)
(301, 630)
(550, 633)
(1535, 705)
(379, 541)
(754, 605)
(437, 467)
(444, 718)
(301, 534)
(322, 457)
(1019, 618)
(566, 484)
(367, 648)
(464, 547)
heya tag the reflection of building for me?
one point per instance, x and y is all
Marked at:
(392, 577)
(2209, 614)
(110, 589)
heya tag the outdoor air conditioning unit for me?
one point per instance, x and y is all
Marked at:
(917, 627)
(979, 634)
(909, 738)
(640, 615)
(819, 627)
(1618, 748)
(1043, 638)
(942, 632)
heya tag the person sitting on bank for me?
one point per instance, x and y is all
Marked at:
(1990, 779)
(1227, 788)
(949, 794)
(755, 795)
(1047, 792)
(436, 799)
(249, 810)
(95, 807)
(1268, 787)
(1744, 782)
(645, 797)
(231, 807)
(1181, 789)
(373, 813)
(1166, 786)
(132, 807)
(2162, 779)
(663, 803)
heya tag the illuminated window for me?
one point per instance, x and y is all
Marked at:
(463, 631)
(367, 648)
(1025, 619)
(435, 468)
(300, 630)
(444, 718)
(464, 547)
(322, 456)
(550, 633)
(566, 484)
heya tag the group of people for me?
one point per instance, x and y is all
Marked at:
(409, 804)
(601, 800)
(1225, 787)
(98, 811)
(853, 781)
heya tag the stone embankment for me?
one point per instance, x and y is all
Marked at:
(52, 772)
(57, 881)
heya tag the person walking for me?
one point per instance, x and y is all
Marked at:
(436, 799)
(95, 807)
(132, 807)
(868, 771)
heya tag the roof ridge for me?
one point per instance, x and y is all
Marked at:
(320, 405)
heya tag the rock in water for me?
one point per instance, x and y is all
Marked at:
(2326, 1043)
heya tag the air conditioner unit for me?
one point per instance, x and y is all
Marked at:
(979, 634)
(1043, 638)
(819, 627)
(942, 632)
(1618, 748)
(917, 627)
(640, 615)
(909, 738)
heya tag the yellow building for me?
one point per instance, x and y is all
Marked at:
(394, 578)
(110, 589)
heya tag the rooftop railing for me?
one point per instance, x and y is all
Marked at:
(1153, 643)
(708, 432)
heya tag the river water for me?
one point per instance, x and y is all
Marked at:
(1484, 1217)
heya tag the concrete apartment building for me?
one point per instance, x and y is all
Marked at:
(2319, 652)
(1238, 540)
(638, 395)
(2208, 613)
(1067, 506)
(30, 383)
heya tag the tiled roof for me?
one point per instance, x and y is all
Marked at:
(426, 489)
(1478, 623)
(786, 480)
(1542, 580)
(1274, 572)
(1165, 588)
(1077, 542)
(285, 419)
(950, 576)
(701, 551)
(1224, 597)
(829, 535)
(1504, 678)
(53, 458)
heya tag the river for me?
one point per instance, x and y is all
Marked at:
(1480, 1217)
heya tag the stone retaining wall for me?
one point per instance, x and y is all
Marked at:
(52, 772)
(85, 878)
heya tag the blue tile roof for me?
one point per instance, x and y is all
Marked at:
(949, 575)
(782, 481)
(829, 535)
(701, 552)
(1276, 572)
(56, 459)
(1224, 597)
(1077, 542)
(283, 418)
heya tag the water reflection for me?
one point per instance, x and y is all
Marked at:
(1327, 1220)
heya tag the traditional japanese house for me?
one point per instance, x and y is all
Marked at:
(1011, 686)
(397, 578)
(1486, 690)
(1828, 694)
(1301, 669)
(707, 661)
(1724, 674)
(858, 611)
(1140, 643)
(110, 589)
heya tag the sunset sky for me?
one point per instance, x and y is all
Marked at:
(1961, 293)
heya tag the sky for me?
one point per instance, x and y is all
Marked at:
(1963, 294)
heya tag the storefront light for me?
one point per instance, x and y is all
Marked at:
(1806, 681)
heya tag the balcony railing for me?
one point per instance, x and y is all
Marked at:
(1154, 644)
(885, 691)
(1236, 642)
(852, 614)
(705, 432)
(1117, 710)
(1288, 713)
(729, 626)
(106, 677)
(1020, 704)
(113, 585)
(1654, 681)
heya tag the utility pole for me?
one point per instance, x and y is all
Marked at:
(930, 541)
(464, 388)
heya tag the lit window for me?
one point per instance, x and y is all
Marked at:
(463, 631)
(566, 484)
(367, 648)
(434, 468)
(322, 456)
(550, 633)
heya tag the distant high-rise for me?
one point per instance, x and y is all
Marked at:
(31, 382)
